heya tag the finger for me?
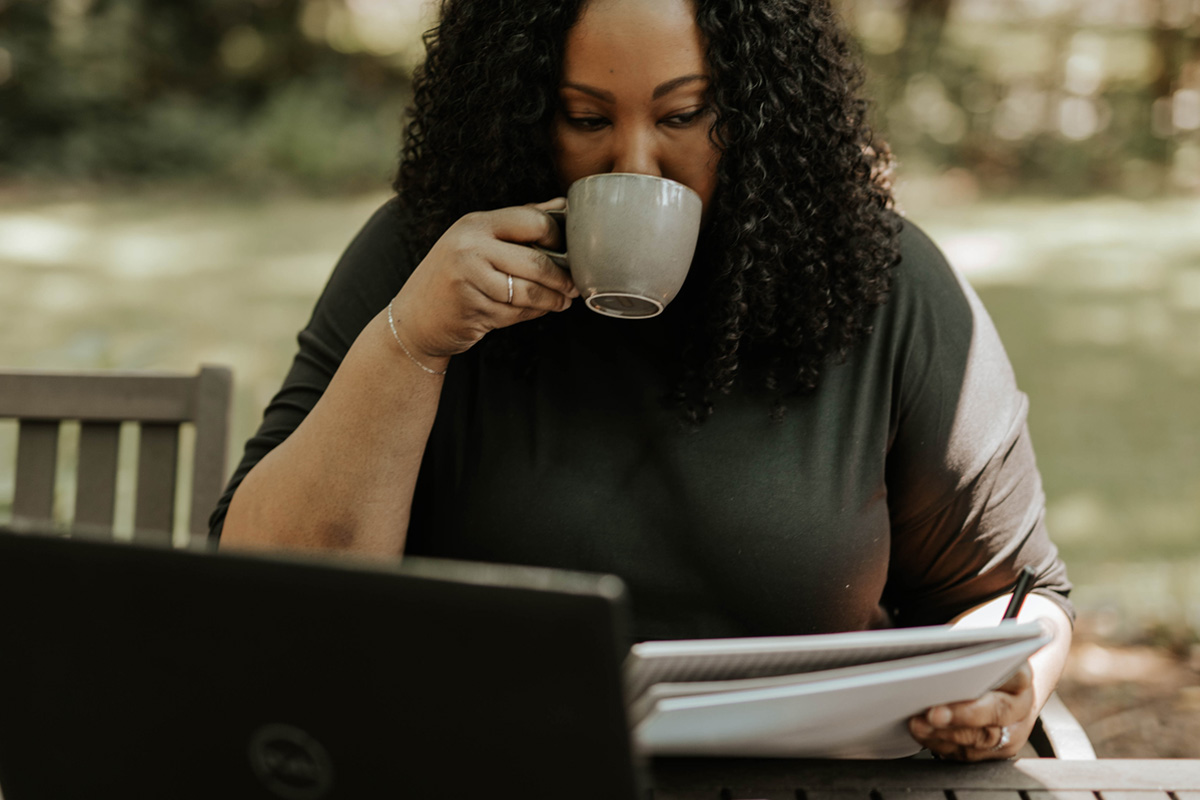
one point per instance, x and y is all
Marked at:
(994, 708)
(501, 283)
(555, 203)
(532, 265)
(949, 751)
(978, 738)
(920, 728)
(529, 295)
(520, 224)
(997, 749)
(946, 750)
(928, 736)
(1020, 680)
(556, 242)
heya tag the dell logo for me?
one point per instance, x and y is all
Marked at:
(290, 763)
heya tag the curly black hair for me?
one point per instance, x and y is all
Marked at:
(803, 235)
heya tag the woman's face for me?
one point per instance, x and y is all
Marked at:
(633, 95)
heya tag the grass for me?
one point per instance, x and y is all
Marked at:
(1097, 300)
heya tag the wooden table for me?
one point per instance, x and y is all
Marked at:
(1024, 779)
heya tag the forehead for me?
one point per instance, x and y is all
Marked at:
(630, 38)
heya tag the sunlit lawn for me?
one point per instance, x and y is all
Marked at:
(1098, 302)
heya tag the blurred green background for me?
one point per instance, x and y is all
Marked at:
(177, 179)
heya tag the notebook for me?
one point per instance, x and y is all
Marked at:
(837, 695)
(134, 672)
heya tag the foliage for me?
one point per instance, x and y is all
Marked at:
(1059, 95)
(1063, 95)
(230, 90)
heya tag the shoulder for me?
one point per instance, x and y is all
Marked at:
(371, 270)
(373, 267)
(932, 311)
(385, 238)
(924, 280)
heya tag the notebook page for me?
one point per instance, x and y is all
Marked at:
(757, 657)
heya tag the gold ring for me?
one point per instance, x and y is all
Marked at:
(510, 290)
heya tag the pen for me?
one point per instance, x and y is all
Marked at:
(1024, 581)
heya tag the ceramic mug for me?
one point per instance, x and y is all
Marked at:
(630, 241)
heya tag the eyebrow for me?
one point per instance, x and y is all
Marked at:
(671, 85)
(659, 91)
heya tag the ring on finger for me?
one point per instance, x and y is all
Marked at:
(1005, 738)
(510, 290)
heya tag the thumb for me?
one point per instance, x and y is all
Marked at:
(1020, 680)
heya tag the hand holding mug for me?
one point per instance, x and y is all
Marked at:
(482, 274)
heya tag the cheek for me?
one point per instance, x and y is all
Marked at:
(573, 158)
(694, 164)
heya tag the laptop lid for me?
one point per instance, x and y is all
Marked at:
(134, 672)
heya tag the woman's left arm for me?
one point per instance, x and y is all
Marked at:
(965, 498)
(975, 730)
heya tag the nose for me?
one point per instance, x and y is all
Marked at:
(636, 150)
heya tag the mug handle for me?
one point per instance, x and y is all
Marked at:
(558, 258)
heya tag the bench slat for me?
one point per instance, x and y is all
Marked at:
(109, 396)
(37, 459)
(213, 390)
(155, 508)
(96, 487)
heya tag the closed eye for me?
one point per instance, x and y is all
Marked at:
(587, 123)
(686, 118)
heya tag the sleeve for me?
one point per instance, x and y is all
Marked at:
(369, 274)
(964, 493)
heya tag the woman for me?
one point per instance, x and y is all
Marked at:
(820, 433)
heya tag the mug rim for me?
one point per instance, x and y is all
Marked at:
(640, 175)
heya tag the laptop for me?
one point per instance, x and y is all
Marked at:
(133, 672)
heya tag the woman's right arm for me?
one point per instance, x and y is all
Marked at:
(344, 478)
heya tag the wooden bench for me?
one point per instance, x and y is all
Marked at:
(160, 403)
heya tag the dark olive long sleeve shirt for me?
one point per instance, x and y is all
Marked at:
(902, 491)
